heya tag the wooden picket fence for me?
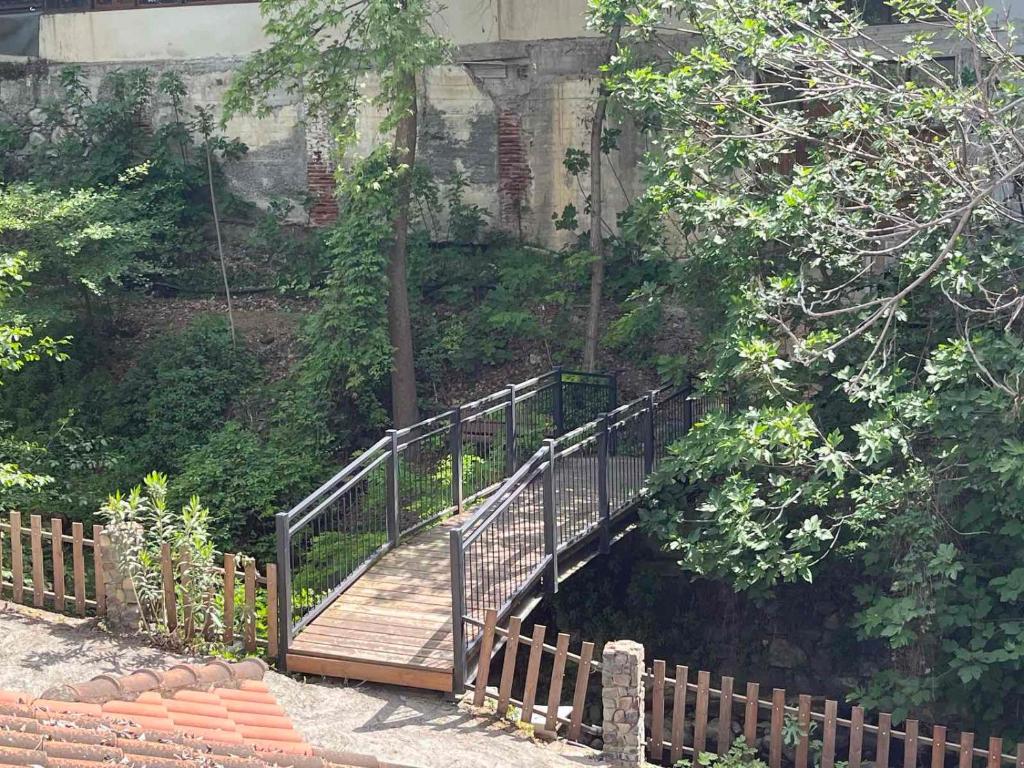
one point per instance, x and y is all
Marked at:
(690, 699)
(33, 571)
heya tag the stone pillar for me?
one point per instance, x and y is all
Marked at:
(622, 698)
(120, 549)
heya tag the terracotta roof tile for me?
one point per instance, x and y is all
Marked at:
(189, 715)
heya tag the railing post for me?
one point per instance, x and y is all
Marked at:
(652, 403)
(603, 502)
(510, 432)
(550, 522)
(284, 589)
(455, 444)
(613, 391)
(393, 490)
(558, 403)
(458, 565)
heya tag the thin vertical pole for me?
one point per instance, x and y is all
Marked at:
(284, 589)
(550, 523)
(649, 432)
(510, 432)
(558, 404)
(458, 564)
(603, 502)
(455, 445)
(613, 391)
(392, 498)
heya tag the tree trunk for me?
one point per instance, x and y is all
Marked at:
(404, 410)
(596, 218)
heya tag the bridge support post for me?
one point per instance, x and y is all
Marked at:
(550, 523)
(455, 445)
(622, 700)
(603, 502)
(393, 490)
(558, 403)
(284, 589)
(458, 565)
(510, 433)
(649, 432)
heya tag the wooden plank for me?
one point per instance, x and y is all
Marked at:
(700, 718)
(938, 746)
(335, 648)
(185, 579)
(17, 558)
(1, 563)
(828, 735)
(484, 665)
(579, 696)
(361, 639)
(532, 672)
(426, 679)
(97, 561)
(1020, 755)
(654, 747)
(36, 539)
(882, 740)
(167, 580)
(250, 606)
(775, 732)
(856, 736)
(679, 713)
(725, 716)
(557, 675)
(272, 626)
(229, 598)
(508, 667)
(910, 744)
(57, 556)
(750, 714)
(78, 566)
(966, 750)
(803, 719)
(995, 753)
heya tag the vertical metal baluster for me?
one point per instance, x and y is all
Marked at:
(603, 505)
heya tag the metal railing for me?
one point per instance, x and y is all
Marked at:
(571, 489)
(414, 477)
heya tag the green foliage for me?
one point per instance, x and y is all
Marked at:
(848, 235)
(740, 755)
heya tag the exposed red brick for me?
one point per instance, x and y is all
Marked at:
(514, 175)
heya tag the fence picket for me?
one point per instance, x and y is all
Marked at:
(167, 579)
(78, 566)
(750, 713)
(995, 752)
(38, 582)
(272, 610)
(910, 744)
(250, 606)
(803, 718)
(966, 750)
(579, 697)
(725, 716)
(508, 669)
(654, 749)
(1, 564)
(775, 732)
(700, 718)
(1020, 756)
(484, 668)
(938, 746)
(57, 555)
(557, 675)
(229, 599)
(856, 736)
(679, 713)
(97, 561)
(532, 672)
(17, 559)
(828, 737)
(882, 740)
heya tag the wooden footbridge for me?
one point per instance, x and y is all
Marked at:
(386, 570)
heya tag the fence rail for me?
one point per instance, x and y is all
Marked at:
(416, 476)
(574, 487)
(688, 716)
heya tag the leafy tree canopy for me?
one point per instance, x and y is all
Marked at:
(851, 214)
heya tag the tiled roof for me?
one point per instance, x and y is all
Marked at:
(216, 714)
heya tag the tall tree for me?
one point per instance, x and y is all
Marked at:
(323, 50)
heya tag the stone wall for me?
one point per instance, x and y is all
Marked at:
(622, 700)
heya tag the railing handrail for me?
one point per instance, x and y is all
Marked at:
(477, 522)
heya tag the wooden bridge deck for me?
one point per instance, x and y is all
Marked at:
(394, 625)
